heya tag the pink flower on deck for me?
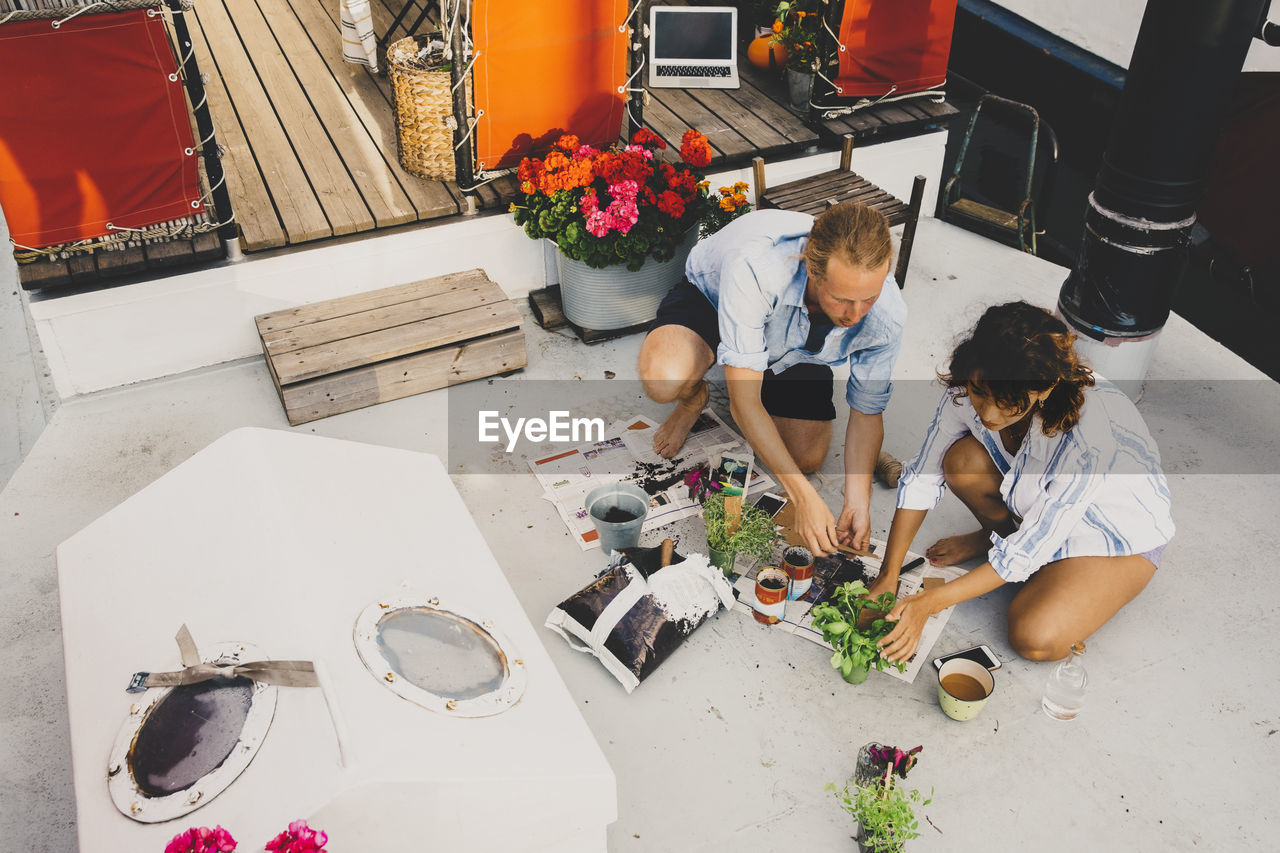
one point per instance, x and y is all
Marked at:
(299, 838)
(639, 149)
(621, 214)
(202, 839)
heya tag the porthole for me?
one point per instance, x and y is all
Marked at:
(440, 658)
(182, 746)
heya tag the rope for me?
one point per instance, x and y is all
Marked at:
(626, 87)
(199, 145)
(467, 135)
(839, 91)
(622, 28)
(61, 12)
(833, 35)
(155, 232)
(58, 23)
(462, 78)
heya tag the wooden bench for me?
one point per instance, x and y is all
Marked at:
(816, 193)
(343, 354)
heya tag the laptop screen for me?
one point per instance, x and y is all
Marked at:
(693, 34)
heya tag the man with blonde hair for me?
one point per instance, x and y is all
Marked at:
(778, 297)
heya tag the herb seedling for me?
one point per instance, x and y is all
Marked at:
(883, 809)
(856, 649)
(755, 536)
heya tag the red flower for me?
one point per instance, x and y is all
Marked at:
(625, 166)
(648, 138)
(671, 204)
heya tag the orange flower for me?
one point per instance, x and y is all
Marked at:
(726, 204)
(777, 26)
(694, 149)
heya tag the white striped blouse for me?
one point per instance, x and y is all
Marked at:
(1095, 490)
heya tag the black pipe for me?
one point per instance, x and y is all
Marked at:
(463, 139)
(208, 142)
(1186, 60)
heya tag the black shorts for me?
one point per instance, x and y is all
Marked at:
(802, 391)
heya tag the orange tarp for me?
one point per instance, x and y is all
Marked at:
(900, 46)
(543, 69)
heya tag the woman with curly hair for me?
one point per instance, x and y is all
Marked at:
(1061, 473)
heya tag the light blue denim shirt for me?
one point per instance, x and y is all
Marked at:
(753, 271)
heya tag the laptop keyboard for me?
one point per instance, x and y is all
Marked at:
(693, 71)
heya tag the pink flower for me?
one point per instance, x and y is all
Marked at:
(585, 151)
(639, 149)
(298, 838)
(202, 839)
(620, 216)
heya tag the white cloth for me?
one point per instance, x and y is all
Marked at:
(359, 44)
(1095, 490)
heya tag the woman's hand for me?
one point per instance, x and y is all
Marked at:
(910, 613)
(815, 523)
(854, 527)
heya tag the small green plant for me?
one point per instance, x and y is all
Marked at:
(883, 808)
(856, 649)
(756, 534)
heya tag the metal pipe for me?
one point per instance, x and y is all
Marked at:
(1185, 62)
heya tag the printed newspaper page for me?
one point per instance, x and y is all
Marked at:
(626, 455)
(831, 572)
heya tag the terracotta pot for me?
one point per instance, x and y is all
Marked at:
(767, 54)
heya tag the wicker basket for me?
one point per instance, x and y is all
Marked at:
(424, 111)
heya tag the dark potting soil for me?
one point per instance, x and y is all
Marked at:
(617, 515)
(772, 583)
(655, 477)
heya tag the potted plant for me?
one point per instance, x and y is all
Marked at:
(883, 808)
(754, 536)
(623, 219)
(798, 28)
(854, 626)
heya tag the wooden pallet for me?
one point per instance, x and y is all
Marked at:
(343, 354)
(548, 312)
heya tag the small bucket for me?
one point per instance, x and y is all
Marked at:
(618, 511)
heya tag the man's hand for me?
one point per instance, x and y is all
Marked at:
(815, 523)
(854, 527)
(910, 613)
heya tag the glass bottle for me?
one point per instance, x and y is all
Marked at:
(1064, 691)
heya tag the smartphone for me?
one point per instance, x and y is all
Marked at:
(771, 504)
(978, 654)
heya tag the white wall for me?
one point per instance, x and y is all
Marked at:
(1109, 28)
(108, 338)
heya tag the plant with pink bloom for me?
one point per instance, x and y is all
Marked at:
(623, 205)
(299, 838)
(202, 839)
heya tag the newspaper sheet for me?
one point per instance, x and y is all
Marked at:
(831, 572)
(626, 455)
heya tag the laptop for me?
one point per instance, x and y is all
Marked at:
(693, 47)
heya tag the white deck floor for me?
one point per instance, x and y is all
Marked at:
(729, 745)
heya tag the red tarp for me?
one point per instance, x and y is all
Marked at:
(92, 130)
(543, 69)
(898, 47)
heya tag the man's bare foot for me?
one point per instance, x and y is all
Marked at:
(670, 437)
(951, 550)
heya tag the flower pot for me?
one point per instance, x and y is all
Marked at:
(723, 560)
(857, 675)
(615, 297)
(799, 88)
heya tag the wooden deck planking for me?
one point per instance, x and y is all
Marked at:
(364, 162)
(343, 205)
(693, 114)
(369, 107)
(281, 176)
